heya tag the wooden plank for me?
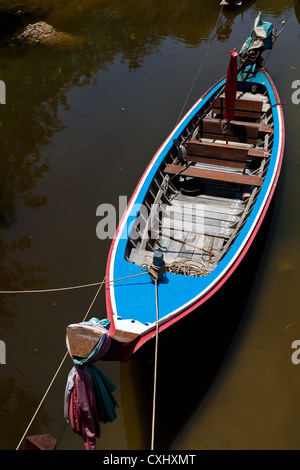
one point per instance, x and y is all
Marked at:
(258, 152)
(229, 151)
(243, 107)
(212, 149)
(189, 220)
(250, 129)
(210, 199)
(222, 205)
(170, 245)
(216, 154)
(221, 176)
(198, 248)
(40, 442)
(203, 215)
(237, 131)
(207, 229)
(188, 246)
(139, 257)
(181, 243)
(82, 341)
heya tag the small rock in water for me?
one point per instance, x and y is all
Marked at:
(44, 33)
(38, 31)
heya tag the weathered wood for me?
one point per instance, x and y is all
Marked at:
(204, 229)
(209, 199)
(40, 442)
(220, 150)
(216, 154)
(236, 131)
(230, 207)
(258, 152)
(243, 108)
(203, 216)
(212, 149)
(221, 176)
(141, 257)
(171, 241)
(82, 341)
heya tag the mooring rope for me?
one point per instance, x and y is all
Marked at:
(57, 371)
(183, 267)
(100, 284)
(155, 368)
(58, 289)
(42, 400)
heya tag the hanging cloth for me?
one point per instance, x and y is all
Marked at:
(89, 396)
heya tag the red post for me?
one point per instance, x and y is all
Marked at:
(231, 86)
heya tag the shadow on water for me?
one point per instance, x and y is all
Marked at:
(192, 352)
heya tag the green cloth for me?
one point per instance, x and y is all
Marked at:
(105, 401)
(268, 33)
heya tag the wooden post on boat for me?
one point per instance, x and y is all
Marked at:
(40, 442)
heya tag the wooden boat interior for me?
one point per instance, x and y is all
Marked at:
(203, 192)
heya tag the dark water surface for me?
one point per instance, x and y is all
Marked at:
(82, 119)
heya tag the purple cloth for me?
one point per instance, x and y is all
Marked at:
(82, 412)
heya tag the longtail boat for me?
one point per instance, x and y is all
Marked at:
(201, 200)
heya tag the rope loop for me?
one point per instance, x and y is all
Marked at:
(225, 127)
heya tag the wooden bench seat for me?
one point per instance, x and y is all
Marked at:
(244, 108)
(221, 154)
(215, 175)
(237, 131)
(216, 154)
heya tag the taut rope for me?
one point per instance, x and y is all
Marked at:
(57, 371)
(155, 368)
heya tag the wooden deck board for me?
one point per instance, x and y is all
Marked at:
(237, 131)
(216, 175)
(207, 229)
(220, 205)
(244, 107)
(181, 212)
(230, 152)
(140, 257)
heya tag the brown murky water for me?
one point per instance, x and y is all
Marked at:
(83, 116)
